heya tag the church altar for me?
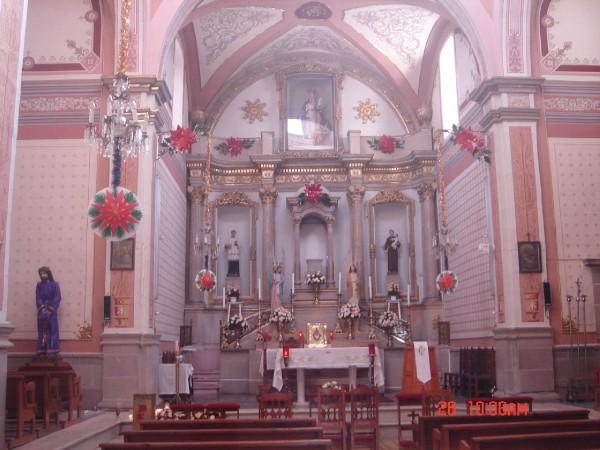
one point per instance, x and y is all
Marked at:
(301, 359)
(166, 378)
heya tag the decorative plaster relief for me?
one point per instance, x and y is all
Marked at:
(366, 111)
(518, 101)
(400, 32)
(514, 36)
(221, 33)
(572, 104)
(254, 110)
(313, 11)
(57, 103)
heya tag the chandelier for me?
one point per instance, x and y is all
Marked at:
(123, 131)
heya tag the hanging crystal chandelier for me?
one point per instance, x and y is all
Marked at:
(123, 130)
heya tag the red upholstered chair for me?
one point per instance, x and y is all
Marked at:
(275, 405)
(331, 414)
(364, 416)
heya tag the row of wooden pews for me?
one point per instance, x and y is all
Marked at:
(224, 434)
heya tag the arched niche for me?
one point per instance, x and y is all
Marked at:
(392, 209)
(234, 210)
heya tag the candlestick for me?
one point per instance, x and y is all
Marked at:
(223, 297)
(293, 282)
(370, 289)
(259, 290)
(408, 294)
(339, 282)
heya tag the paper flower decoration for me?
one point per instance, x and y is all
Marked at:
(386, 144)
(205, 280)
(313, 192)
(471, 141)
(234, 146)
(446, 281)
(114, 214)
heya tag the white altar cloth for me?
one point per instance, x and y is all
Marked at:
(166, 378)
(322, 358)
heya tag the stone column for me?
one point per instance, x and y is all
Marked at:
(298, 274)
(356, 194)
(267, 197)
(195, 241)
(426, 193)
(330, 268)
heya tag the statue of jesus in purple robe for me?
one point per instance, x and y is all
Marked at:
(47, 299)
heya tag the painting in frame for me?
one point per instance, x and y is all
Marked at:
(310, 117)
(530, 257)
(122, 254)
(143, 408)
(317, 334)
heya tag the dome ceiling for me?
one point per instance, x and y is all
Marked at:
(394, 41)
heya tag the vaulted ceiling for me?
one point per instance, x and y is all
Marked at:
(391, 44)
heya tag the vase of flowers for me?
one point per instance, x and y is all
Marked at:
(350, 313)
(237, 324)
(388, 320)
(315, 280)
(281, 317)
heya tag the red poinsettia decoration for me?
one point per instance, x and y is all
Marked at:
(471, 141)
(387, 144)
(446, 281)
(205, 280)
(182, 139)
(313, 192)
(114, 214)
(235, 146)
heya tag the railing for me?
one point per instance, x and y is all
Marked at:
(229, 336)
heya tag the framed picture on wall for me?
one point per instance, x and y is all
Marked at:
(122, 254)
(530, 257)
(310, 113)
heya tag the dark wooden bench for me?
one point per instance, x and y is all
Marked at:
(448, 437)
(571, 440)
(223, 434)
(225, 423)
(20, 399)
(428, 424)
(301, 444)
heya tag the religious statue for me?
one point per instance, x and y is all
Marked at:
(313, 119)
(392, 246)
(233, 255)
(276, 287)
(352, 285)
(47, 299)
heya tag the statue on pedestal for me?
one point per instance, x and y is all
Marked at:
(392, 246)
(233, 255)
(352, 285)
(276, 287)
(47, 299)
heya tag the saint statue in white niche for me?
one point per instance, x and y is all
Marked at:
(392, 246)
(352, 285)
(233, 255)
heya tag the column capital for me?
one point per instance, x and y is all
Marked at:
(267, 195)
(426, 191)
(356, 192)
(196, 193)
(297, 221)
(329, 220)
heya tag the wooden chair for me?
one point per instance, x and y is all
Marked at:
(430, 402)
(20, 397)
(275, 405)
(414, 402)
(331, 414)
(364, 416)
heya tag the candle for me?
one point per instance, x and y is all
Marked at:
(259, 291)
(340, 283)
(408, 294)
(91, 115)
(293, 280)
(370, 289)
(177, 347)
(223, 298)
(197, 240)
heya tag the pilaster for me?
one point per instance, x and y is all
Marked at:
(268, 195)
(195, 195)
(426, 193)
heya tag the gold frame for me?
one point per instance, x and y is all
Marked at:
(318, 339)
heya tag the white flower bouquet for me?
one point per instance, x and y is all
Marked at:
(349, 311)
(237, 322)
(315, 278)
(388, 319)
(281, 316)
(331, 385)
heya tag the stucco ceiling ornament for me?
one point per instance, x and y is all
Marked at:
(313, 11)
(366, 111)
(254, 110)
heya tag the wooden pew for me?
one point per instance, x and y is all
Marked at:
(570, 440)
(428, 424)
(223, 434)
(20, 397)
(448, 437)
(225, 423)
(304, 444)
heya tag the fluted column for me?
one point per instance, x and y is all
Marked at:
(298, 281)
(356, 194)
(330, 268)
(196, 195)
(267, 197)
(426, 194)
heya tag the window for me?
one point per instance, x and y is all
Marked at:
(449, 97)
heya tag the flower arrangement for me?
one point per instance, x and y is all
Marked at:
(233, 292)
(165, 413)
(180, 140)
(314, 194)
(234, 146)
(386, 144)
(315, 278)
(393, 290)
(471, 141)
(281, 316)
(331, 385)
(388, 319)
(114, 214)
(205, 280)
(446, 281)
(349, 311)
(237, 322)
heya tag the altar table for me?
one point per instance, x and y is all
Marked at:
(166, 378)
(322, 358)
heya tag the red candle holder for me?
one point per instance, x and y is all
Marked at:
(331, 335)
(286, 352)
(371, 349)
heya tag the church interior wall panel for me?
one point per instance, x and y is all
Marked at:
(313, 244)
(54, 182)
(234, 372)
(171, 229)
(575, 164)
(470, 309)
(232, 122)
